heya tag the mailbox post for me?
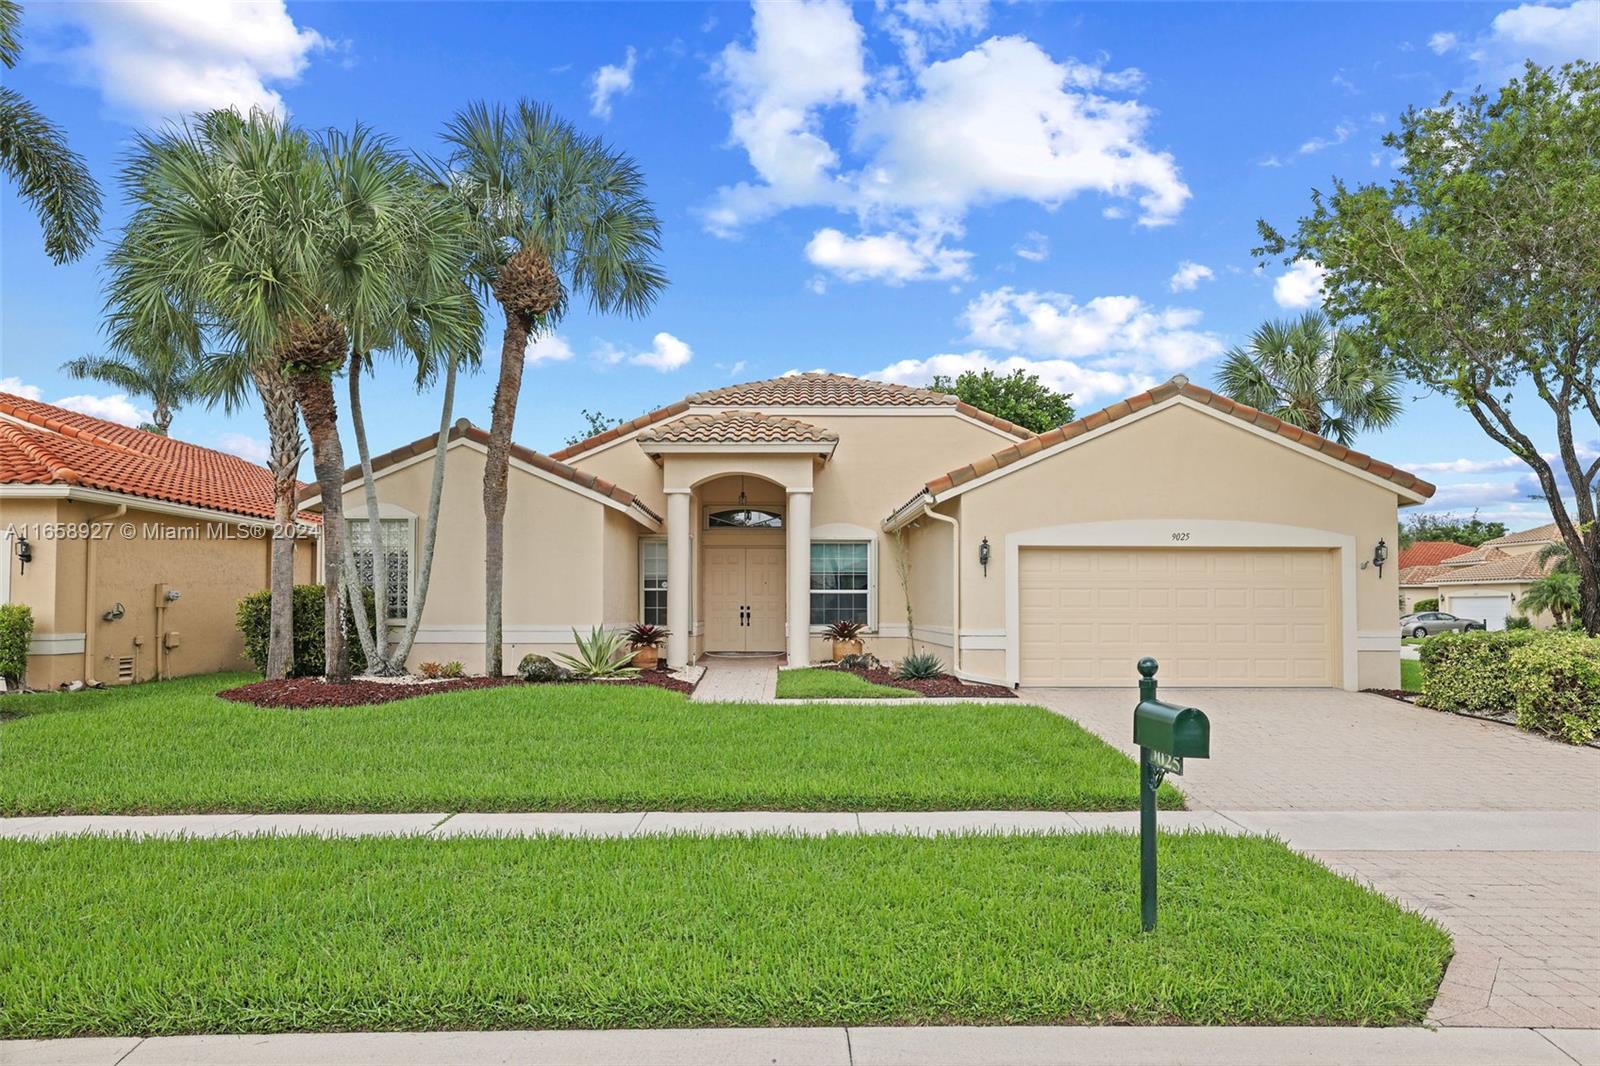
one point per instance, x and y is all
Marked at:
(1166, 735)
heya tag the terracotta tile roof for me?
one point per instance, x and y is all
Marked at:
(800, 390)
(1177, 386)
(1483, 554)
(1509, 568)
(1422, 575)
(1537, 535)
(1430, 553)
(738, 427)
(464, 428)
(41, 444)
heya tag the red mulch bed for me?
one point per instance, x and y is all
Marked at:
(943, 685)
(299, 693)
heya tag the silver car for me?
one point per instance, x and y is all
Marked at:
(1425, 622)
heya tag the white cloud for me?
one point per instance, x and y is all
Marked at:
(114, 408)
(17, 387)
(1086, 384)
(1300, 285)
(1189, 275)
(1035, 247)
(164, 59)
(1341, 133)
(666, 353)
(888, 257)
(1466, 466)
(1544, 33)
(245, 447)
(1002, 121)
(611, 81)
(547, 348)
(1443, 42)
(917, 25)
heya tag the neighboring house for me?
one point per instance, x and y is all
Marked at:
(1430, 552)
(1484, 583)
(1234, 548)
(140, 546)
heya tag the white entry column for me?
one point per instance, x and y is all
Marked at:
(678, 534)
(798, 585)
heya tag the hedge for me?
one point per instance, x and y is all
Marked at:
(1550, 680)
(16, 633)
(1424, 605)
(255, 623)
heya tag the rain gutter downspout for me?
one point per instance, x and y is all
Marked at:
(955, 586)
(89, 577)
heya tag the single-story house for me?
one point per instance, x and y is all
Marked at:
(1236, 549)
(132, 549)
(1484, 583)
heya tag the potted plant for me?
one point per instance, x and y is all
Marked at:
(846, 637)
(647, 640)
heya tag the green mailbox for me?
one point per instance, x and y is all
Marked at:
(1166, 734)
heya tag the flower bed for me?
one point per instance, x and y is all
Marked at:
(299, 693)
(943, 685)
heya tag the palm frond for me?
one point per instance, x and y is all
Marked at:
(50, 176)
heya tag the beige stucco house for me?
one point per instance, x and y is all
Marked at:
(1487, 582)
(131, 549)
(1236, 549)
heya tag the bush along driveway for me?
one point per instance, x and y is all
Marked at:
(1546, 682)
(177, 747)
(299, 934)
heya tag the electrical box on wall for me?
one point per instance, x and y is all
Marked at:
(171, 640)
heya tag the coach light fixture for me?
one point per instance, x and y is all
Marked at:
(1380, 555)
(983, 555)
(24, 554)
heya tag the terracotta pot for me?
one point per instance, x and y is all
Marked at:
(646, 658)
(841, 648)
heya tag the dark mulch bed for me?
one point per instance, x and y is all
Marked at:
(943, 685)
(308, 692)
(1394, 694)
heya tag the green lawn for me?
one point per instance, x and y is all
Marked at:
(175, 747)
(112, 936)
(824, 683)
(1410, 675)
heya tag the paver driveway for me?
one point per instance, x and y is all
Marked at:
(1525, 922)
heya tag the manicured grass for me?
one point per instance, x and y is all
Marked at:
(821, 683)
(175, 746)
(1410, 675)
(109, 936)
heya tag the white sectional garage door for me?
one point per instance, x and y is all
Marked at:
(1252, 616)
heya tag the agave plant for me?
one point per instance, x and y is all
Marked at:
(919, 666)
(602, 654)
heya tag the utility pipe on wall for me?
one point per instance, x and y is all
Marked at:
(90, 576)
(955, 586)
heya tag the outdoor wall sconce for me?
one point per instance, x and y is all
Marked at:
(983, 556)
(24, 554)
(116, 612)
(1380, 555)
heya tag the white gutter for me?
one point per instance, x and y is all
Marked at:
(955, 586)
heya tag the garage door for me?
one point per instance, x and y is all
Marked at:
(1238, 617)
(1491, 610)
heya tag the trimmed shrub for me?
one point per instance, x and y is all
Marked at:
(1518, 621)
(1425, 605)
(1471, 671)
(16, 633)
(541, 668)
(254, 618)
(1556, 686)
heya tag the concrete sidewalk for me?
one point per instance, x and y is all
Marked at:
(1311, 831)
(868, 1046)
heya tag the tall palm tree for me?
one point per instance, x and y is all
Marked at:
(33, 153)
(1556, 592)
(557, 213)
(1313, 376)
(159, 370)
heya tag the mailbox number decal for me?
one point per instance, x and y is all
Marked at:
(1180, 536)
(1172, 764)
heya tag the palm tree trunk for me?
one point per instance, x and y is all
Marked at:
(161, 416)
(496, 470)
(321, 413)
(430, 526)
(283, 433)
(374, 641)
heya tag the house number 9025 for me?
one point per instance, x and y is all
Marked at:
(1180, 536)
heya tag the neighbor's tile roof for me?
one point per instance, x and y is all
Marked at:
(1430, 553)
(738, 427)
(1510, 568)
(41, 444)
(801, 390)
(1422, 575)
(1177, 386)
(1537, 535)
(464, 428)
(1483, 554)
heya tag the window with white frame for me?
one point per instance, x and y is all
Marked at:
(840, 581)
(653, 582)
(396, 552)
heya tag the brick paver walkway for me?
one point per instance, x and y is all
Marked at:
(739, 680)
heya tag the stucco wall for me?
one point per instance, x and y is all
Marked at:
(1175, 465)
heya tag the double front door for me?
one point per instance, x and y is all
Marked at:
(744, 599)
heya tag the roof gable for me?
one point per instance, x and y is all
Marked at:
(738, 427)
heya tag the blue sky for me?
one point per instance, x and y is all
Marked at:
(890, 189)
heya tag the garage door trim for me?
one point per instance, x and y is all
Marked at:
(1180, 534)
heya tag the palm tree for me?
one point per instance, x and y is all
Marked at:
(34, 154)
(1313, 376)
(159, 370)
(557, 213)
(1556, 592)
(1556, 557)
